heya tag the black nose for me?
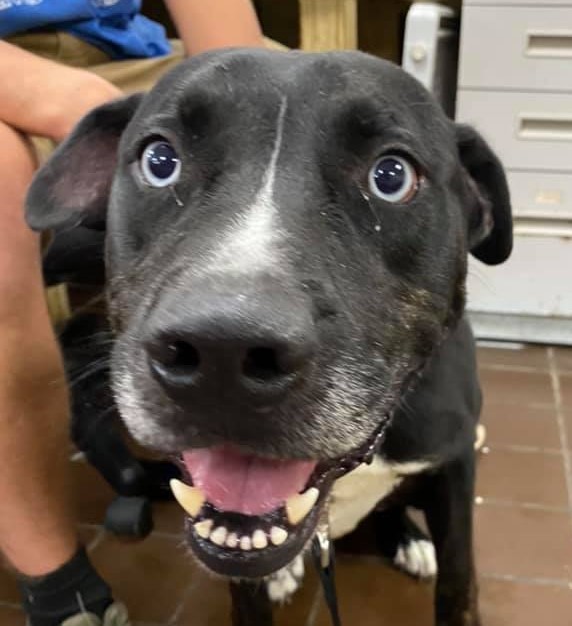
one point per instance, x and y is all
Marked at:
(232, 348)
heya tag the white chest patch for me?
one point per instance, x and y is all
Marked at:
(355, 495)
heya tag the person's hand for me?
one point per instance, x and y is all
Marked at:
(70, 101)
(45, 98)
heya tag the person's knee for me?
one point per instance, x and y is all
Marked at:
(17, 162)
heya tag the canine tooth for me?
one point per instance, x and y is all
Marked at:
(298, 506)
(203, 529)
(246, 543)
(278, 535)
(190, 498)
(218, 536)
(232, 540)
(259, 540)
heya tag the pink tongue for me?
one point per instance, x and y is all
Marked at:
(243, 483)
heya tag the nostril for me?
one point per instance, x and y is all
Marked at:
(176, 356)
(262, 364)
(184, 355)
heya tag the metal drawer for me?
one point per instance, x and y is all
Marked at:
(513, 3)
(541, 196)
(525, 48)
(528, 130)
(534, 281)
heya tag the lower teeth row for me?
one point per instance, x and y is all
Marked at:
(220, 536)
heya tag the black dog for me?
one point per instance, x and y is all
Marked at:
(287, 240)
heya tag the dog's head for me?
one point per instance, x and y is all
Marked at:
(287, 240)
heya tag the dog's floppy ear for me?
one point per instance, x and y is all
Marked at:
(490, 216)
(73, 186)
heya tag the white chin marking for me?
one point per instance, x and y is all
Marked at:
(286, 581)
(417, 557)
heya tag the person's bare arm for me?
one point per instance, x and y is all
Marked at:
(45, 98)
(207, 24)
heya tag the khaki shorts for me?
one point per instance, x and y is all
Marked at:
(130, 76)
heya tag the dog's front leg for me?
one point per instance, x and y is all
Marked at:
(449, 513)
(251, 605)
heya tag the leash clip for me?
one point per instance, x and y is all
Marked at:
(323, 552)
(323, 539)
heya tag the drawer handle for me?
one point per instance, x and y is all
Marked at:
(543, 228)
(545, 128)
(554, 44)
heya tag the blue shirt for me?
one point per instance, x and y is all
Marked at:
(114, 26)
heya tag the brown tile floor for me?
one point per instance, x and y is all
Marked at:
(523, 527)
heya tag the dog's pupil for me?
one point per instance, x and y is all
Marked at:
(389, 175)
(162, 160)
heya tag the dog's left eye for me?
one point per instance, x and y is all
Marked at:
(393, 179)
(160, 164)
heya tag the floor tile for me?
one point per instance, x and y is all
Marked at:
(563, 359)
(150, 576)
(568, 427)
(168, 517)
(511, 387)
(520, 604)
(208, 603)
(523, 542)
(11, 617)
(566, 391)
(532, 477)
(371, 593)
(519, 425)
(8, 588)
(528, 356)
(92, 495)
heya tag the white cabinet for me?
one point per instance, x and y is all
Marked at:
(515, 87)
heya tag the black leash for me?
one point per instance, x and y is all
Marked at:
(323, 553)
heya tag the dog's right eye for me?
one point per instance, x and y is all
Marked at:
(160, 164)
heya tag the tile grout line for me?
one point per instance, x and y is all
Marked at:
(99, 537)
(172, 621)
(10, 605)
(314, 609)
(509, 447)
(561, 423)
(521, 369)
(503, 503)
(544, 582)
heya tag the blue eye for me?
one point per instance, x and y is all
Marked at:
(393, 179)
(160, 164)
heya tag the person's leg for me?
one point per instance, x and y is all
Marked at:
(37, 530)
(37, 533)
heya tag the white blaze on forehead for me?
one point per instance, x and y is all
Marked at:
(249, 243)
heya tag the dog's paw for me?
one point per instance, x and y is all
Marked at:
(417, 558)
(283, 584)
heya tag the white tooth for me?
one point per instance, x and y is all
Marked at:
(259, 540)
(218, 536)
(190, 498)
(203, 529)
(278, 535)
(298, 506)
(232, 540)
(246, 543)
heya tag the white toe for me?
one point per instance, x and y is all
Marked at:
(286, 581)
(417, 558)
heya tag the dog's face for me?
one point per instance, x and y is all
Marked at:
(287, 237)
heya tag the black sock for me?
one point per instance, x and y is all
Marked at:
(49, 600)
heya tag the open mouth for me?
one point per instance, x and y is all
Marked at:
(249, 516)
